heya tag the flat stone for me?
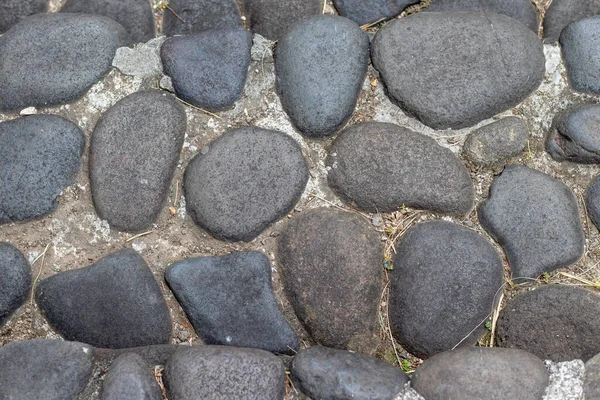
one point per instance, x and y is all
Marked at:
(229, 301)
(331, 267)
(459, 82)
(543, 322)
(475, 373)
(320, 67)
(446, 281)
(14, 11)
(243, 181)
(97, 304)
(591, 383)
(54, 58)
(224, 373)
(535, 219)
(324, 373)
(367, 11)
(194, 16)
(562, 12)
(417, 171)
(202, 73)
(574, 135)
(272, 18)
(15, 280)
(130, 377)
(580, 44)
(143, 61)
(44, 369)
(566, 380)
(40, 157)
(592, 201)
(495, 143)
(135, 16)
(134, 151)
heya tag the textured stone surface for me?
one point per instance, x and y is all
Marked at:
(592, 201)
(202, 73)
(481, 373)
(230, 301)
(15, 280)
(49, 59)
(331, 269)
(591, 385)
(580, 44)
(566, 380)
(15, 10)
(44, 369)
(445, 282)
(495, 143)
(367, 11)
(224, 373)
(243, 181)
(200, 15)
(134, 150)
(324, 373)
(272, 18)
(562, 12)
(417, 171)
(130, 377)
(543, 322)
(321, 64)
(114, 303)
(534, 217)
(143, 61)
(457, 83)
(574, 135)
(40, 157)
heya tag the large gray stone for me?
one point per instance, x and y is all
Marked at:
(194, 16)
(574, 135)
(272, 18)
(130, 377)
(15, 10)
(53, 58)
(15, 280)
(367, 11)
(490, 64)
(562, 12)
(592, 201)
(580, 44)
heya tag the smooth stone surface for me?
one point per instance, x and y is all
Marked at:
(495, 143)
(554, 322)
(130, 377)
(320, 67)
(134, 150)
(417, 171)
(114, 303)
(14, 11)
(224, 373)
(44, 369)
(592, 201)
(575, 135)
(562, 12)
(229, 301)
(535, 219)
(54, 58)
(40, 157)
(202, 73)
(481, 373)
(200, 15)
(135, 16)
(367, 11)
(459, 82)
(591, 383)
(331, 270)
(243, 181)
(15, 280)
(324, 373)
(272, 18)
(446, 281)
(580, 45)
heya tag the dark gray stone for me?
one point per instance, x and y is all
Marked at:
(229, 301)
(574, 135)
(481, 373)
(133, 154)
(367, 11)
(580, 44)
(14, 11)
(415, 171)
(40, 157)
(534, 218)
(114, 303)
(15, 280)
(272, 18)
(591, 382)
(202, 73)
(592, 201)
(457, 82)
(562, 12)
(135, 16)
(130, 377)
(245, 180)
(320, 65)
(446, 281)
(554, 322)
(194, 16)
(224, 373)
(494, 144)
(44, 369)
(324, 373)
(53, 58)
(331, 267)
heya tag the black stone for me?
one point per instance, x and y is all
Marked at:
(130, 377)
(15, 280)
(580, 44)
(575, 135)
(591, 382)
(457, 82)
(320, 65)
(272, 18)
(245, 180)
(367, 11)
(133, 154)
(194, 16)
(40, 156)
(379, 167)
(14, 11)
(114, 303)
(229, 301)
(562, 12)
(202, 73)
(592, 201)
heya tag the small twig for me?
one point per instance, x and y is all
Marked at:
(387, 315)
(335, 205)
(495, 320)
(176, 193)
(173, 11)
(42, 256)
(582, 280)
(324, 6)
(198, 108)
(138, 236)
(158, 377)
(370, 24)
